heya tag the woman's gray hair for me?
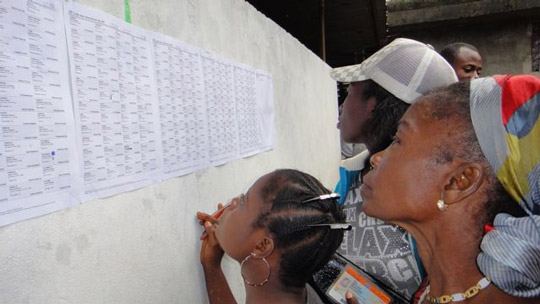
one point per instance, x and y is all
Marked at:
(510, 254)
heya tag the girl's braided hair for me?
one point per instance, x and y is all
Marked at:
(304, 248)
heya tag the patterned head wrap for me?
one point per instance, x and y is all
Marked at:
(504, 112)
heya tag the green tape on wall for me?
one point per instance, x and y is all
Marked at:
(127, 11)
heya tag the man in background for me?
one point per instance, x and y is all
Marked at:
(464, 59)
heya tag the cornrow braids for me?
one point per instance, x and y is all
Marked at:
(304, 249)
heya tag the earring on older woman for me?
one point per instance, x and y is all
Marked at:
(252, 255)
(371, 163)
(441, 204)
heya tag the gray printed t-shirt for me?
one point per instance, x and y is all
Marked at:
(379, 248)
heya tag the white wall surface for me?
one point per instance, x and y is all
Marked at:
(143, 246)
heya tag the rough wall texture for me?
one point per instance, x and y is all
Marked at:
(406, 12)
(142, 246)
(505, 47)
(500, 29)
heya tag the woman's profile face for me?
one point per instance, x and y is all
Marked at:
(355, 113)
(405, 183)
(235, 232)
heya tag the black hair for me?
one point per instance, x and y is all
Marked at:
(303, 249)
(451, 51)
(450, 105)
(383, 122)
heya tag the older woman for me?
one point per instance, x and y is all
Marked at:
(464, 157)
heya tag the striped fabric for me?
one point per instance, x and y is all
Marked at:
(504, 112)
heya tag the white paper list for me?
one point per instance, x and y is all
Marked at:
(220, 109)
(264, 92)
(249, 132)
(115, 112)
(37, 145)
(180, 95)
(142, 107)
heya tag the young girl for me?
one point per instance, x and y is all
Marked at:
(280, 231)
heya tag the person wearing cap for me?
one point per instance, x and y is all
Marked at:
(464, 59)
(348, 150)
(380, 90)
(465, 168)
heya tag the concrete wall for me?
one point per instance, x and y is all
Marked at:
(142, 246)
(500, 29)
(410, 12)
(505, 47)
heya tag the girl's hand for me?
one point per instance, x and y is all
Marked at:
(205, 217)
(211, 251)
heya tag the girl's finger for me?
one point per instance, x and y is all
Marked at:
(203, 236)
(208, 227)
(204, 217)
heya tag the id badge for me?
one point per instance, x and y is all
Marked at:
(340, 275)
(352, 279)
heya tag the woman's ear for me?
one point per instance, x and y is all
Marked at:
(463, 182)
(264, 248)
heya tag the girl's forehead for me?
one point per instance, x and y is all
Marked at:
(265, 185)
(258, 194)
(253, 186)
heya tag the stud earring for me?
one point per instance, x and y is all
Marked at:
(441, 204)
(371, 163)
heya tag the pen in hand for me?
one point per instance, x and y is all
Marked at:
(218, 213)
(203, 217)
(210, 218)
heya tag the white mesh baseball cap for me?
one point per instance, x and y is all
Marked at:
(405, 67)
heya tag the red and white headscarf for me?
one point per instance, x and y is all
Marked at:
(504, 112)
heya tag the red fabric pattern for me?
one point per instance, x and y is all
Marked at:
(515, 93)
(418, 293)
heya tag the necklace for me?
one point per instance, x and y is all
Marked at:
(457, 297)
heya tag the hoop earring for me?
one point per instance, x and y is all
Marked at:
(441, 204)
(252, 255)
